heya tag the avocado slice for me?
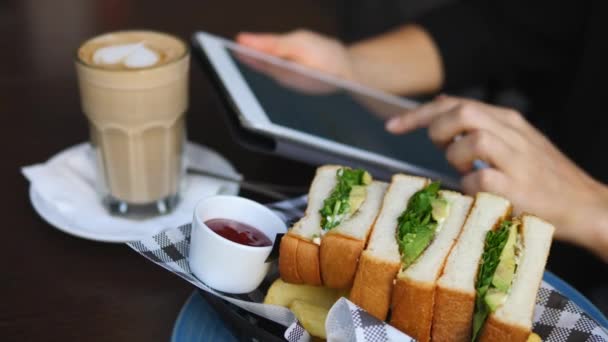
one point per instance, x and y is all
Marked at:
(505, 271)
(356, 197)
(366, 179)
(414, 244)
(441, 209)
(418, 224)
(495, 298)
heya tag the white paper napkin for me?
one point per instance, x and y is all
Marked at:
(67, 185)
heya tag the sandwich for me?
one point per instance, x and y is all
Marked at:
(508, 279)
(442, 266)
(323, 247)
(413, 296)
(345, 232)
(488, 289)
(412, 236)
(455, 294)
(380, 261)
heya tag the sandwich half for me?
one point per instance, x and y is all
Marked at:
(455, 294)
(298, 253)
(380, 261)
(423, 257)
(342, 205)
(509, 278)
(341, 245)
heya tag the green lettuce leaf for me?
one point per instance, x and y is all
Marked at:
(336, 206)
(494, 244)
(416, 227)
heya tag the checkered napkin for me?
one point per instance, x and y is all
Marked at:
(556, 318)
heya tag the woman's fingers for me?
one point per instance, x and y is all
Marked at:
(462, 119)
(448, 117)
(469, 116)
(265, 42)
(421, 116)
(489, 180)
(482, 145)
(306, 48)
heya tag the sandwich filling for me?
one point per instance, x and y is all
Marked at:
(496, 271)
(420, 222)
(346, 197)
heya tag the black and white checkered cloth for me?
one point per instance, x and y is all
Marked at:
(348, 322)
(556, 318)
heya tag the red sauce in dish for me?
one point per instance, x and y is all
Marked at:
(238, 232)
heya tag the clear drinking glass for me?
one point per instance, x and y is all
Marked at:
(136, 117)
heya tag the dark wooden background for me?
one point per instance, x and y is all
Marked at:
(57, 287)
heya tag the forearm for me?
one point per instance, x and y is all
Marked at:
(593, 224)
(601, 231)
(585, 222)
(404, 61)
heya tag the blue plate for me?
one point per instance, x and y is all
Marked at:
(198, 321)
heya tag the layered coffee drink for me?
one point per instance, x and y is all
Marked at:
(134, 92)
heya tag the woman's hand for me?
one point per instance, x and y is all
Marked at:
(525, 166)
(379, 62)
(304, 47)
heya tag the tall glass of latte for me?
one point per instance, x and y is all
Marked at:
(134, 92)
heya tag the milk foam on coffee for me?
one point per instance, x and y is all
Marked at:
(135, 55)
(134, 91)
(131, 49)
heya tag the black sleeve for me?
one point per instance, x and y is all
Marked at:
(506, 39)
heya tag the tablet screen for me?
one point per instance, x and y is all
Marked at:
(292, 99)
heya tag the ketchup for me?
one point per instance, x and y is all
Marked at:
(238, 232)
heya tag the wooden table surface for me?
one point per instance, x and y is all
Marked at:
(57, 287)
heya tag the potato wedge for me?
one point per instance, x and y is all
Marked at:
(283, 294)
(312, 317)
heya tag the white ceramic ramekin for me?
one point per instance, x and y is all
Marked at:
(225, 265)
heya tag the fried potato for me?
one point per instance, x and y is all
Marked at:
(534, 338)
(283, 294)
(310, 304)
(312, 317)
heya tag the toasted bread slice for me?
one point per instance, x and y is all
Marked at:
(288, 260)
(513, 320)
(455, 294)
(341, 247)
(381, 261)
(299, 254)
(414, 292)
